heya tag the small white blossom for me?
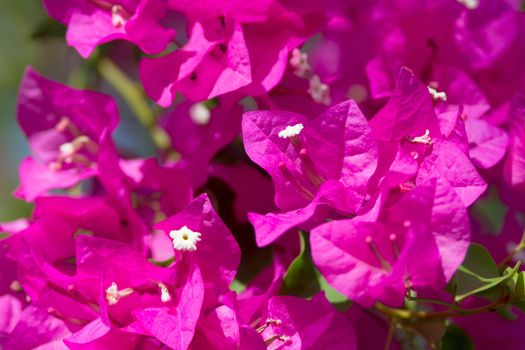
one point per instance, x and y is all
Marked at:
(185, 239)
(290, 131)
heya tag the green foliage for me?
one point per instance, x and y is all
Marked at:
(479, 275)
(304, 280)
(455, 339)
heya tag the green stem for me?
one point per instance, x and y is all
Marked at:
(432, 301)
(390, 335)
(134, 96)
(407, 314)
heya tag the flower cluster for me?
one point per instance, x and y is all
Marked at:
(328, 175)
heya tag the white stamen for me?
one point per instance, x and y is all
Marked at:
(117, 16)
(424, 139)
(164, 293)
(291, 131)
(185, 239)
(470, 4)
(437, 95)
(113, 294)
(199, 114)
(319, 91)
(299, 61)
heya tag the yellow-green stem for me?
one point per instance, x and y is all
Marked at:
(134, 96)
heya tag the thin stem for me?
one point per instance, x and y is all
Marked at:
(135, 98)
(432, 301)
(390, 334)
(407, 314)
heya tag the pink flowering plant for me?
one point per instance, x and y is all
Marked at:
(319, 175)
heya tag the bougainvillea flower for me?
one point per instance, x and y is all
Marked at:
(419, 242)
(439, 145)
(66, 129)
(253, 191)
(295, 323)
(515, 164)
(37, 329)
(198, 133)
(328, 160)
(366, 323)
(204, 240)
(227, 53)
(91, 23)
(420, 36)
(488, 143)
(504, 332)
(141, 188)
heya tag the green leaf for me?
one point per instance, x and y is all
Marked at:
(48, 28)
(489, 211)
(338, 300)
(455, 339)
(164, 263)
(301, 279)
(304, 280)
(518, 294)
(431, 330)
(479, 273)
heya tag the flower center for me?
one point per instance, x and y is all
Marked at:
(77, 151)
(291, 131)
(185, 239)
(307, 165)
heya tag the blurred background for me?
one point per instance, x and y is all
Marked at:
(20, 46)
(28, 36)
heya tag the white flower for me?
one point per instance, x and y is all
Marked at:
(290, 131)
(185, 239)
